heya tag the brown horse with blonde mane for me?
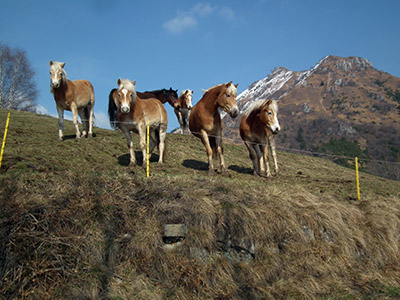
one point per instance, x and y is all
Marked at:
(130, 113)
(76, 96)
(205, 120)
(182, 108)
(258, 128)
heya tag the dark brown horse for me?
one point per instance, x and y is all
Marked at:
(76, 96)
(131, 113)
(205, 120)
(257, 129)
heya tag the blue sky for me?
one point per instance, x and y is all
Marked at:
(193, 44)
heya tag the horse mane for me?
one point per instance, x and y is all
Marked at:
(258, 105)
(184, 91)
(231, 88)
(155, 91)
(127, 84)
(112, 110)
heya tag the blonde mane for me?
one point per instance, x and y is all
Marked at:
(127, 84)
(258, 104)
(231, 88)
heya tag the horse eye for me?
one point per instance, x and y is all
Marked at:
(269, 113)
(227, 95)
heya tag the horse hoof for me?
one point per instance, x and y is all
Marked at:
(90, 135)
(60, 138)
(211, 172)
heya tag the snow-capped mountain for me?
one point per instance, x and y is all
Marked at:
(340, 102)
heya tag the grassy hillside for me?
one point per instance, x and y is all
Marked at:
(77, 223)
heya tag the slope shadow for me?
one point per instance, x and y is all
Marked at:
(241, 170)
(125, 159)
(195, 164)
(73, 137)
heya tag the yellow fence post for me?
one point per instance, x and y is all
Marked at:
(148, 147)
(4, 139)
(357, 178)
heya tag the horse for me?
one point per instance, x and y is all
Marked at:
(131, 113)
(258, 128)
(182, 107)
(76, 96)
(162, 95)
(205, 120)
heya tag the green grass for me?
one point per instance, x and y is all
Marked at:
(78, 223)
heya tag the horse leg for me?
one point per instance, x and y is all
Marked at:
(75, 119)
(60, 111)
(273, 150)
(85, 122)
(209, 151)
(265, 155)
(130, 145)
(161, 147)
(91, 116)
(142, 130)
(253, 155)
(180, 119)
(220, 150)
(260, 161)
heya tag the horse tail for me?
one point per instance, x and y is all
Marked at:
(112, 110)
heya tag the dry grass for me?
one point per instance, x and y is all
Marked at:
(77, 223)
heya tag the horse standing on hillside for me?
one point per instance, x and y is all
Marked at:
(131, 113)
(163, 96)
(76, 96)
(205, 120)
(182, 107)
(258, 128)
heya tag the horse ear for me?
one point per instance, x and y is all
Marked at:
(62, 65)
(134, 82)
(236, 85)
(119, 82)
(229, 83)
(51, 63)
(269, 102)
(192, 91)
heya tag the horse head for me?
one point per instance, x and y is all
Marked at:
(170, 95)
(184, 100)
(57, 74)
(268, 115)
(126, 95)
(227, 99)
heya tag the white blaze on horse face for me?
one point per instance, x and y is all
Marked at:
(275, 127)
(55, 77)
(189, 99)
(231, 107)
(125, 102)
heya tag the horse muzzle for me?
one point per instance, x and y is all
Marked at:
(275, 129)
(55, 85)
(233, 112)
(125, 109)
